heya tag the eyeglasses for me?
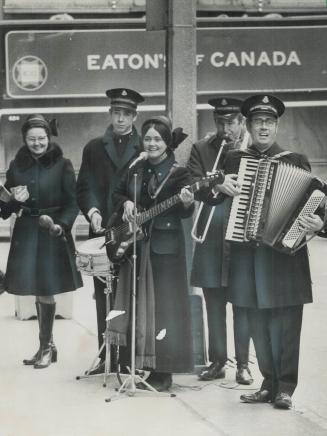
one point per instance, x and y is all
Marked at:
(33, 140)
(259, 122)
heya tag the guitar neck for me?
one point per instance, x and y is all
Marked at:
(157, 209)
(164, 205)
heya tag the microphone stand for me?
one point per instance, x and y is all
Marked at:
(129, 386)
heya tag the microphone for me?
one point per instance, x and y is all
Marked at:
(46, 222)
(142, 156)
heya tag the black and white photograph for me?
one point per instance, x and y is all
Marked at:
(163, 217)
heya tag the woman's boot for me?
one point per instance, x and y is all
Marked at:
(37, 354)
(48, 354)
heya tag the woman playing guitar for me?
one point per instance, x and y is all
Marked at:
(163, 330)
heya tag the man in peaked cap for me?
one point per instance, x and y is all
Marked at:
(105, 159)
(208, 269)
(269, 285)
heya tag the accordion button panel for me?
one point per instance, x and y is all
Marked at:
(294, 235)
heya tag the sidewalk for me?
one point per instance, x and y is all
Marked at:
(51, 402)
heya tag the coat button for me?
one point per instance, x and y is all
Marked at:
(168, 224)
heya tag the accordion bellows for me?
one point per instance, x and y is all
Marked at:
(274, 195)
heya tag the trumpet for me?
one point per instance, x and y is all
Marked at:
(201, 238)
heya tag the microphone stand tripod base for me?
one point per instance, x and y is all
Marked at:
(129, 388)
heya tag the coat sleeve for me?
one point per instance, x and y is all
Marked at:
(120, 194)
(13, 206)
(69, 209)
(85, 190)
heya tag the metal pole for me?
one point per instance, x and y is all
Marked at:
(133, 347)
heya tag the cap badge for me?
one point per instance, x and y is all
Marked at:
(224, 102)
(265, 99)
(124, 93)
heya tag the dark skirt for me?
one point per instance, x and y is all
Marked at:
(174, 352)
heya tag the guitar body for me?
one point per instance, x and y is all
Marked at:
(119, 239)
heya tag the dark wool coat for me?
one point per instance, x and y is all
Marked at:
(39, 264)
(209, 260)
(167, 256)
(261, 276)
(101, 170)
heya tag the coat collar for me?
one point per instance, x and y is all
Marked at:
(25, 160)
(162, 169)
(133, 146)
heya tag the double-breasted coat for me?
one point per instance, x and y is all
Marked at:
(101, 170)
(39, 264)
(260, 276)
(167, 256)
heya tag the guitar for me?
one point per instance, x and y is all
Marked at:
(119, 238)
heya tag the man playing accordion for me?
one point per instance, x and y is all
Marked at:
(270, 284)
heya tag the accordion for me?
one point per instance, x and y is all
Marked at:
(274, 195)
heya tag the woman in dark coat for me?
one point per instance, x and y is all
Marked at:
(41, 260)
(162, 291)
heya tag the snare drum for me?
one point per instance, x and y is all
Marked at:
(92, 259)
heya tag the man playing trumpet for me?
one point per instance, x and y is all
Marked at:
(209, 262)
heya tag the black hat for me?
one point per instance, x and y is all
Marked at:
(159, 119)
(226, 106)
(124, 97)
(38, 120)
(263, 103)
(171, 137)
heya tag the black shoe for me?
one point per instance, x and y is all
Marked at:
(160, 381)
(257, 397)
(243, 375)
(283, 401)
(214, 371)
(98, 369)
(33, 359)
(166, 380)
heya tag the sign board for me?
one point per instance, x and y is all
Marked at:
(84, 63)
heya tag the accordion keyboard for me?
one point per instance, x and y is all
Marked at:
(238, 214)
